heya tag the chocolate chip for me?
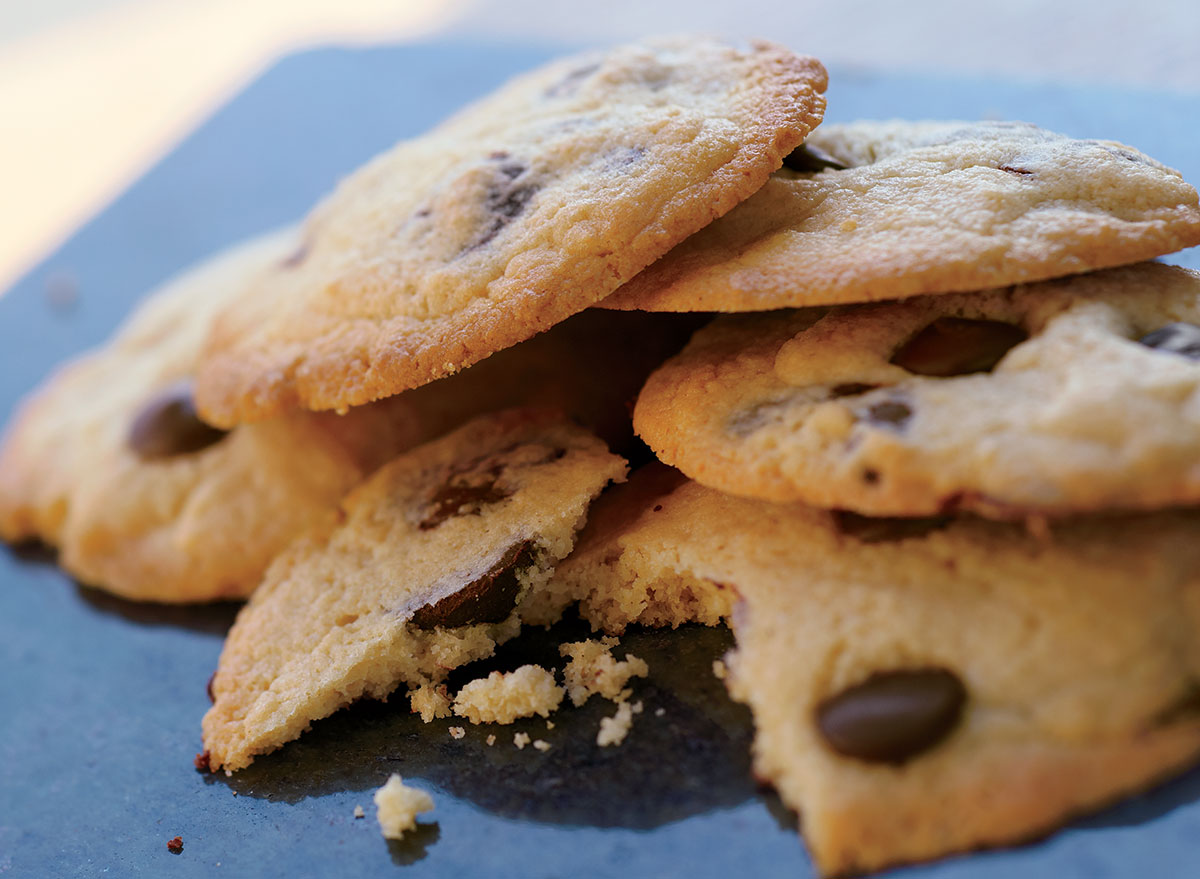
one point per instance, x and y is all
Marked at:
(893, 715)
(851, 389)
(958, 346)
(1178, 338)
(506, 199)
(461, 500)
(808, 159)
(892, 413)
(297, 256)
(209, 688)
(490, 599)
(876, 529)
(570, 83)
(1020, 172)
(168, 425)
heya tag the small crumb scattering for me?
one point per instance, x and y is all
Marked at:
(359, 812)
(542, 745)
(637, 707)
(593, 669)
(549, 724)
(397, 807)
(491, 740)
(502, 698)
(457, 732)
(430, 701)
(719, 670)
(175, 846)
(521, 740)
(614, 729)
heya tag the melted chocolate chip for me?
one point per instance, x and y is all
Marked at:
(892, 413)
(1178, 338)
(490, 599)
(168, 426)
(958, 346)
(506, 199)
(851, 389)
(875, 529)
(297, 256)
(892, 716)
(570, 83)
(1020, 172)
(461, 500)
(808, 159)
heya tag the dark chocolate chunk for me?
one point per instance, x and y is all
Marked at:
(461, 500)
(958, 346)
(490, 599)
(893, 716)
(168, 425)
(1178, 338)
(850, 389)
(808, 159)
(893, 413)
(877, 529)
(506, 198)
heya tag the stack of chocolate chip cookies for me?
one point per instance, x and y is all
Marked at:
(935, 464)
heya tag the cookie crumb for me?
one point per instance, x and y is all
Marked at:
(502, 698)
(430, 701)
(549, 724)
(201, 762)
(175, 846)
(359, 812)
(659, 712)
(491, 740)
(397, 807)
(542, 745)
(637, 707)
(719, 669)
(521, 740)
(457, 732)
(593, 669)
(614, 729)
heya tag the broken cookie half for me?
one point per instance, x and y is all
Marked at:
(923, 687)
(424, 567)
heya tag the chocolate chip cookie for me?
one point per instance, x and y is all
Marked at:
(424, 567)
(923, 687)
(110, 462)
(1070, 395)
(516, 213)
(884, 210)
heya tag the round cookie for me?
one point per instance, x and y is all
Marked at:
(109, 461)
(424, 567)
(923, 687)
(516, 213)
(884, 210)
(1053, 398)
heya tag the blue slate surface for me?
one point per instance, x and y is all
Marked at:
(100, 699)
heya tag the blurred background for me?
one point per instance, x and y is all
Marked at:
(94, 91)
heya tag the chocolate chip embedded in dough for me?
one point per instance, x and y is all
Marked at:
(893, 716)
(1178, 338)
(808, 159)
(490, 599)
(850, 389)
(876, 529)
(1020, 172)
(958, 346)
(168, 426)
(461, 500)
(891, 413)
(506, 198)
